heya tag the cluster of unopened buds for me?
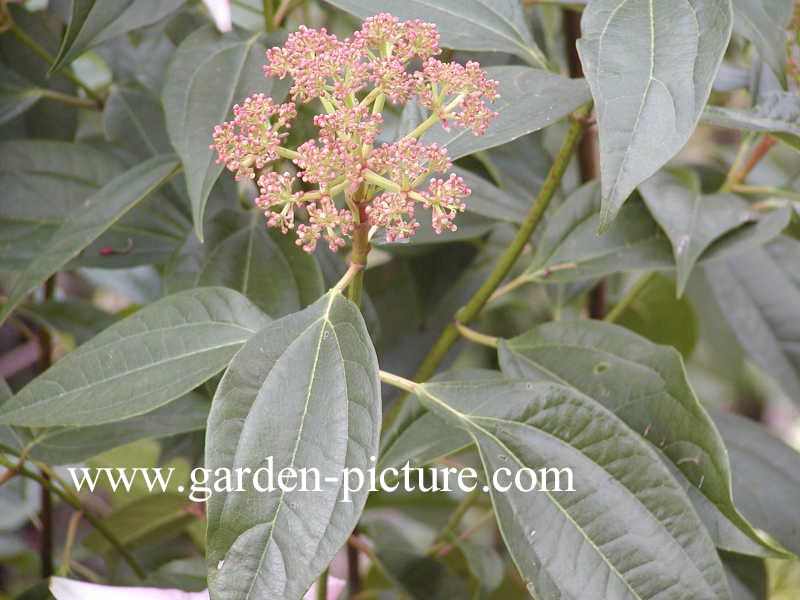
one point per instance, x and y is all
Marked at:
(344, 179)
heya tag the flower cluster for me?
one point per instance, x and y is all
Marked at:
(343, 178)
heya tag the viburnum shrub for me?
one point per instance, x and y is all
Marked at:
(366, 299)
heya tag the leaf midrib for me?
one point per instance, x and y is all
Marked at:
(569, 517)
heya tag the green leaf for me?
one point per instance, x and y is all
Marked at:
(147, 520)
(239, 253)
(645, 385)
(691, 220)
(68, 174)
(63, 446)
(633, 242)
(17, 94)
(650, 66)
(530, 99)
(777, 113)
(571, 250)
(656, 313)
(94, 21)
(96, 215)
(759, 294)
(134, 119)
(207, 75)
(766, 477)
(484, 25)
(145, 361)
(490, 201)
(304, 391)
(765, 23)
(626, 517)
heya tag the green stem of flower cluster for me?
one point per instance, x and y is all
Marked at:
(358, 257)
(469, 311)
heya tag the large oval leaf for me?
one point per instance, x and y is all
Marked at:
(645, 385)
(633, 530)
(530, 99)
(140, 363)
(304, 391)
(240, 253)
(488, 25)
(84, 225)
(650, 65)
(207, 74)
